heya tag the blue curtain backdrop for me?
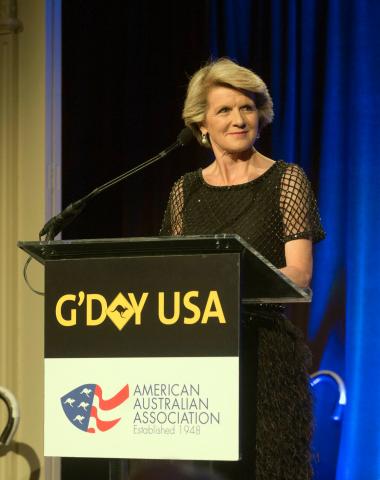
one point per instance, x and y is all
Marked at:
(321, 61)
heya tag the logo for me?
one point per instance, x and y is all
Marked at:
(93, 308)
(121, 310)
(84, 406)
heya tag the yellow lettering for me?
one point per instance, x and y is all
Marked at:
(161, 309)
(213, 301)
(137, 307)
(91, 297)
(58, 311)
(192, 307)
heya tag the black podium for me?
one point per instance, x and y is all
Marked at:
(142, 343)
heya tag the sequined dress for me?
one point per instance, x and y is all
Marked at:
(267, 212)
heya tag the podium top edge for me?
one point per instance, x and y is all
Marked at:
(102, 247)
(147, 246)
(175, 238)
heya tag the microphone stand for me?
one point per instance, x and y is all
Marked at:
(57, 223)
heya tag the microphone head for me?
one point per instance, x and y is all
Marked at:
(185, 136)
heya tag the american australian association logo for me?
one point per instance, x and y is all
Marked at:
(153, 408)
(86, 408)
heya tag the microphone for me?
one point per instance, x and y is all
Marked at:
(57, 223)
(185, 136)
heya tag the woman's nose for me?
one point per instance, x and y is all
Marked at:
(238, 118)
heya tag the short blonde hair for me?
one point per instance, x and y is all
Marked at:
(223, 72)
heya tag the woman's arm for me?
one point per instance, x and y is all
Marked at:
(299, 261)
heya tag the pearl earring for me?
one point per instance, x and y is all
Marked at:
(204, 139)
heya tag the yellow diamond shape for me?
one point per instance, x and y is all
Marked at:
(120, 311)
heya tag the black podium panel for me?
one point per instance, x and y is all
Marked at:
(181, 305)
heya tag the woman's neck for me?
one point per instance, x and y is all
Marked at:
(234, 169)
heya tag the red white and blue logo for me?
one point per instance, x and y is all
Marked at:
(85, 407)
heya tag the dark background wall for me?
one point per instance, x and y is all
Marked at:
(125, 70)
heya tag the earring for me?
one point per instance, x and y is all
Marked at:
(257, 136)
(204, 139)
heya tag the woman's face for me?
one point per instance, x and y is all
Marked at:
(232, 120)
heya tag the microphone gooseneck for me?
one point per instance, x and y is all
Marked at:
(57, 223)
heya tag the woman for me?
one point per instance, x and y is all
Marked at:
(270, 204)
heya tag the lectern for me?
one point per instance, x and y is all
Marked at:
(142, 343)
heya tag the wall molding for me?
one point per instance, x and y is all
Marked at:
(8, 224)
(9, 23)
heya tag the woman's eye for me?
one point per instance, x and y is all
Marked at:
(249, 108)
(223, 110)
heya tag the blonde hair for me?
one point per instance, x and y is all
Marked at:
(223, 72)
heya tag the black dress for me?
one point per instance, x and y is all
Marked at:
(267, 212)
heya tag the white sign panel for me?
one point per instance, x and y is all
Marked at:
(151, 408)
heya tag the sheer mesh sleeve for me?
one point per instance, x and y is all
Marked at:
(173, 218)
(298, 206)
